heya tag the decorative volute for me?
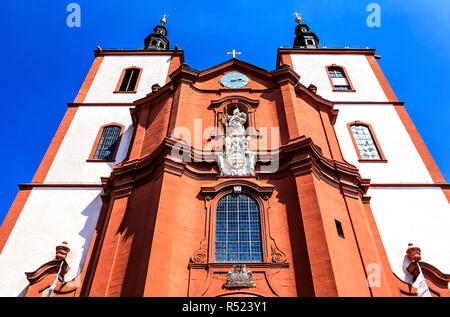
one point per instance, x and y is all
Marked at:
(50, 273)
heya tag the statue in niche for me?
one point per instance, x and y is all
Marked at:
(236, 159)
(235, 122)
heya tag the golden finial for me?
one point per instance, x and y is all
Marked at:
(163, 20)
(298, 19)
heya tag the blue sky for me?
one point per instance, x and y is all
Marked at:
(45, 62)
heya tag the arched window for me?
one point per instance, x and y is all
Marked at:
(365, 142)
(129, 80)
(339, 78)
(106, 143)
(238, 229)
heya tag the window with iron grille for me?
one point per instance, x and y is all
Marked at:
(238, 229)
(365, 142)
(130, 79)
(106, 146)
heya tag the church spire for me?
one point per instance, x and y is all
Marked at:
(304, 38)
(158, 40)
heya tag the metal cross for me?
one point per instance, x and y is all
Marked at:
(234, 53)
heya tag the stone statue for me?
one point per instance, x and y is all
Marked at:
(236, 159)
(235, 123)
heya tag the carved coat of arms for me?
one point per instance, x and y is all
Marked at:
(236, 159)
(239, 278)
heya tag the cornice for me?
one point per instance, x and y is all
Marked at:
(236, 62)
(302, 156)
(120, 52)
(167, 88)
(58, 185)
(388, 103)
(303, 91)
(285, 73)
(417, 185)
(298, 157)
(260, 188)
(234, 99)
(310, 95)
(184, 73)
(98, 104)
(323, 50)
(430, 272)
(220, 91)
(249, 265)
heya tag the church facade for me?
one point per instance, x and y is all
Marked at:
(162, 180)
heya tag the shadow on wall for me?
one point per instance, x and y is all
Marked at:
(91, 212)
(79, 240)
(408, 278)
(24, 292)
(287, 196)
(123, 146)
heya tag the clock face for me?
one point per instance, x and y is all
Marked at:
(234, 80)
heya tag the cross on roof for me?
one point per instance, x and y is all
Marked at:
(234, 53)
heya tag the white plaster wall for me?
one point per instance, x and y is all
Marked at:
(69, 165)
(413, 215)
(404, 162)
(50, 216)
(155, 68)
(312, 70)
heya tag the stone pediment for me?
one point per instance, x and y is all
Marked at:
(236, 65)
(209, 79)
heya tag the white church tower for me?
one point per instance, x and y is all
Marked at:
(409, 196)
(63, 201)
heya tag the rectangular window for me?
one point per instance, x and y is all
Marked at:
(129, 80)
(339, 229)
(338, 78)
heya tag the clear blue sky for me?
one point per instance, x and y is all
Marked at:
(45, 62)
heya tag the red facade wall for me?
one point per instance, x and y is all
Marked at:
(159, 226)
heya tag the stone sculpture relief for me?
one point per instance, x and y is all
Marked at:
(236, 159)
(239, 278)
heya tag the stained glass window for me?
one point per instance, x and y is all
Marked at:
(107, 143)
(365, 143)
(238, 229)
